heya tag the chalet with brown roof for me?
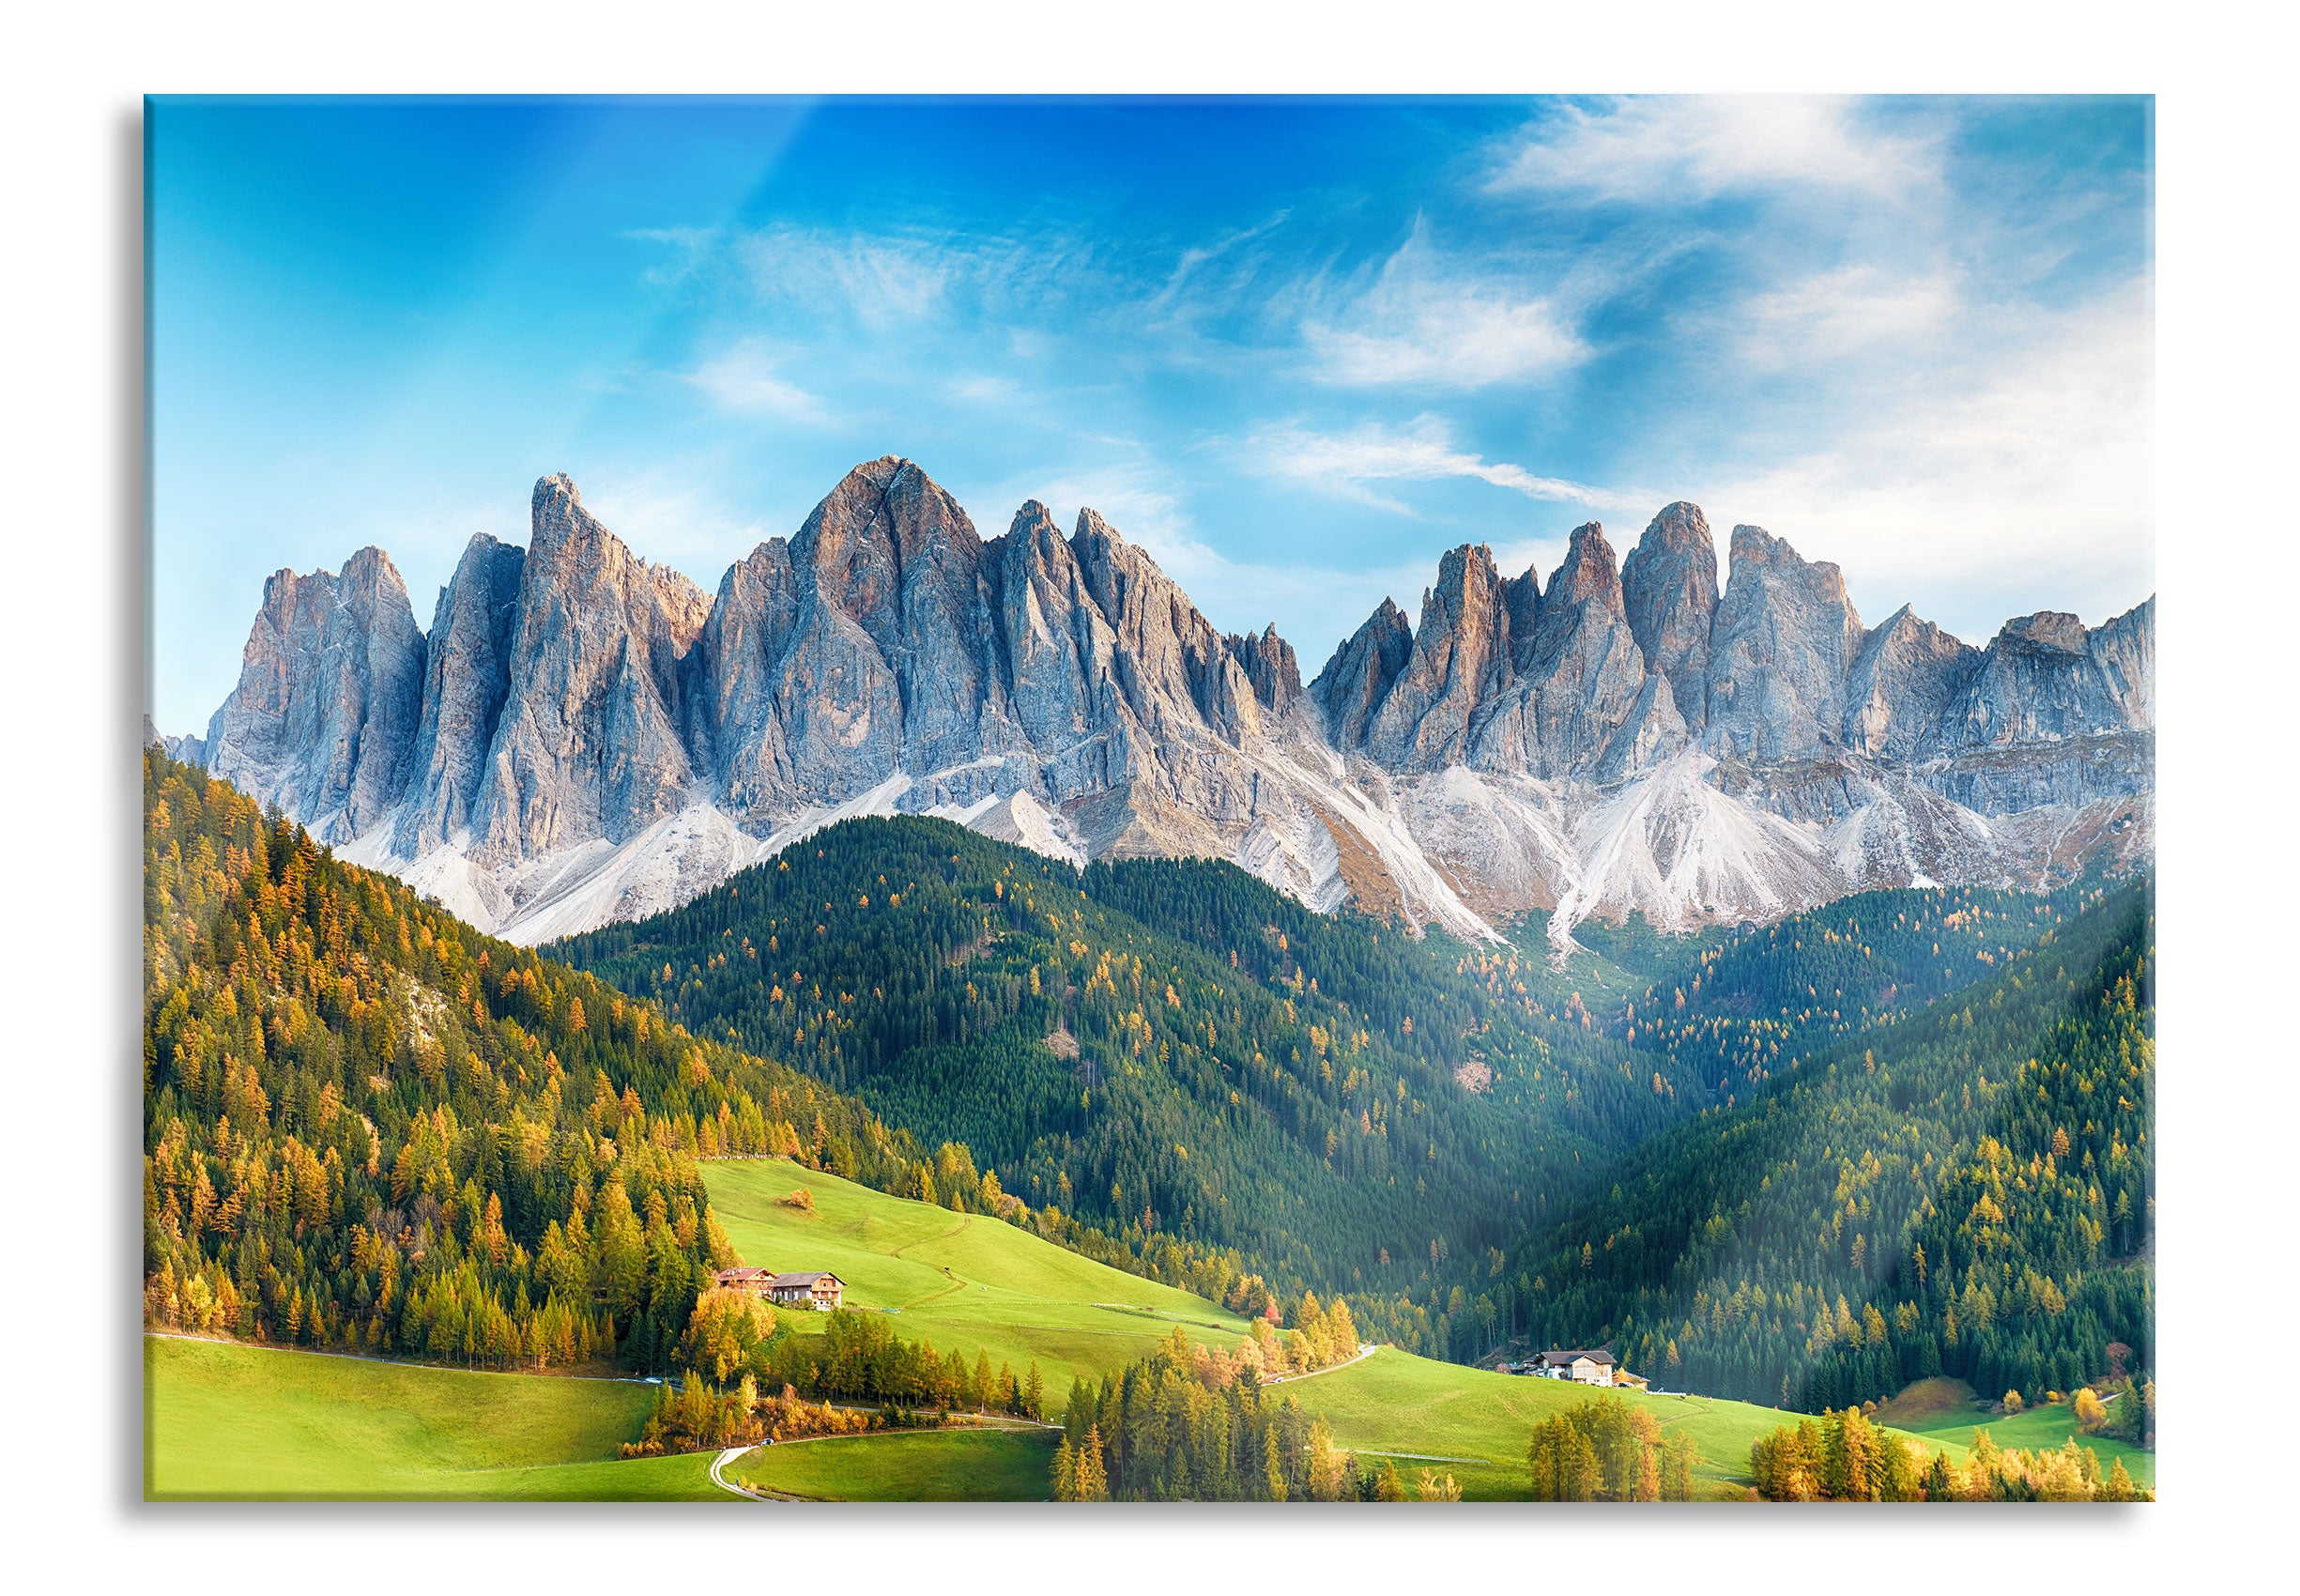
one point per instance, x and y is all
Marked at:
(756, 1282)
(1582, 1367)
(818, 1289)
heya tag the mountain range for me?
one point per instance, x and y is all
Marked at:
(582, 737)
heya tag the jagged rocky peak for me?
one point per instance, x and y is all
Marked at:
(590, 742)
(1461, 661)
(1269, 665)
(1780, 646)
(1669, 592)
(1584, 675)
(1351, 688)
(1903, 678)
(324, 720)
(466, 677)
(2045, 678)
(1170, 664)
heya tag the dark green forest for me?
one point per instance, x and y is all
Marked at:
(1965, 1191)
(1170, 1049)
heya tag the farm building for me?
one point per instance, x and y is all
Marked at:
(818, 1289)
(758, 1282)
(1585, 1368)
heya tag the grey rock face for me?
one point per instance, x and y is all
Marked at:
(2046, 679)
(1582, 675)
(1781, 647)
(587, 745)
(1268, 662)
(752, 623)
(1669, 594)
(466, 676)
(1355, 681)
(1460, 665)
(1900, 683)
(324, 720)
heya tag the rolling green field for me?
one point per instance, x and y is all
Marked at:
(957, 1280)
(917, 1466)
(1943, 1412)
(1394, 1401)
(225, 1421)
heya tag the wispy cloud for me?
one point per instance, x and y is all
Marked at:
(1422, 449)
(1672, 147)
(1421, 320)
(1976, 494)
(1851, 311)
(745, 378)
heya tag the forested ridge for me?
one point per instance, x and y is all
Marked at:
(1170, 1048)
(1965, 1191)
(367, 1125)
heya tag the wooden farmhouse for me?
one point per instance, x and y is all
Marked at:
(1584, 1368)
(818, 1289)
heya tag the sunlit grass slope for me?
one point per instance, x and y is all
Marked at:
(1943, 1412)
(1394, 1401)
(223, 1421)
(963, 1281)
(919, 1465)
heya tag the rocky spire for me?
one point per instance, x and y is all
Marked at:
(1460, 663)
(588, 745)
(1900, 683)
(1352, 687)
(324, 720)
(466, 676)
(1781, 647)
(1584, 672)
(1669, 594)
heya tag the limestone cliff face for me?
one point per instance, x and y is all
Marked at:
(1669, 597)
(1355, 682)
(1585, 673)
(466, 677)
(1900, 684)
(1781, 647)
(1459, 667)
(324, 720)
(588, 747)
(2045, 678)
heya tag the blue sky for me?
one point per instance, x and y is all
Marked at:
(1297, 348)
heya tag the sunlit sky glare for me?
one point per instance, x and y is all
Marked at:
(1296, 349)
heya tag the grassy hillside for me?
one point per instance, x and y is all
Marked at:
(225, 1421)
(1394, 1401)
(1943, 1411)
(931, 1466)
(963, 1281)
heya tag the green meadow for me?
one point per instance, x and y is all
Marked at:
(223, 1421)
(1945, 1413)
(911, 1466)
(1394, 1401)
(963, 1281)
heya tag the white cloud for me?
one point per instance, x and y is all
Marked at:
(745, 378)
(1662, 147)
(2028, 483)
(1423, 450)
(1423, 321)
(1852, 309)
(664, 519)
